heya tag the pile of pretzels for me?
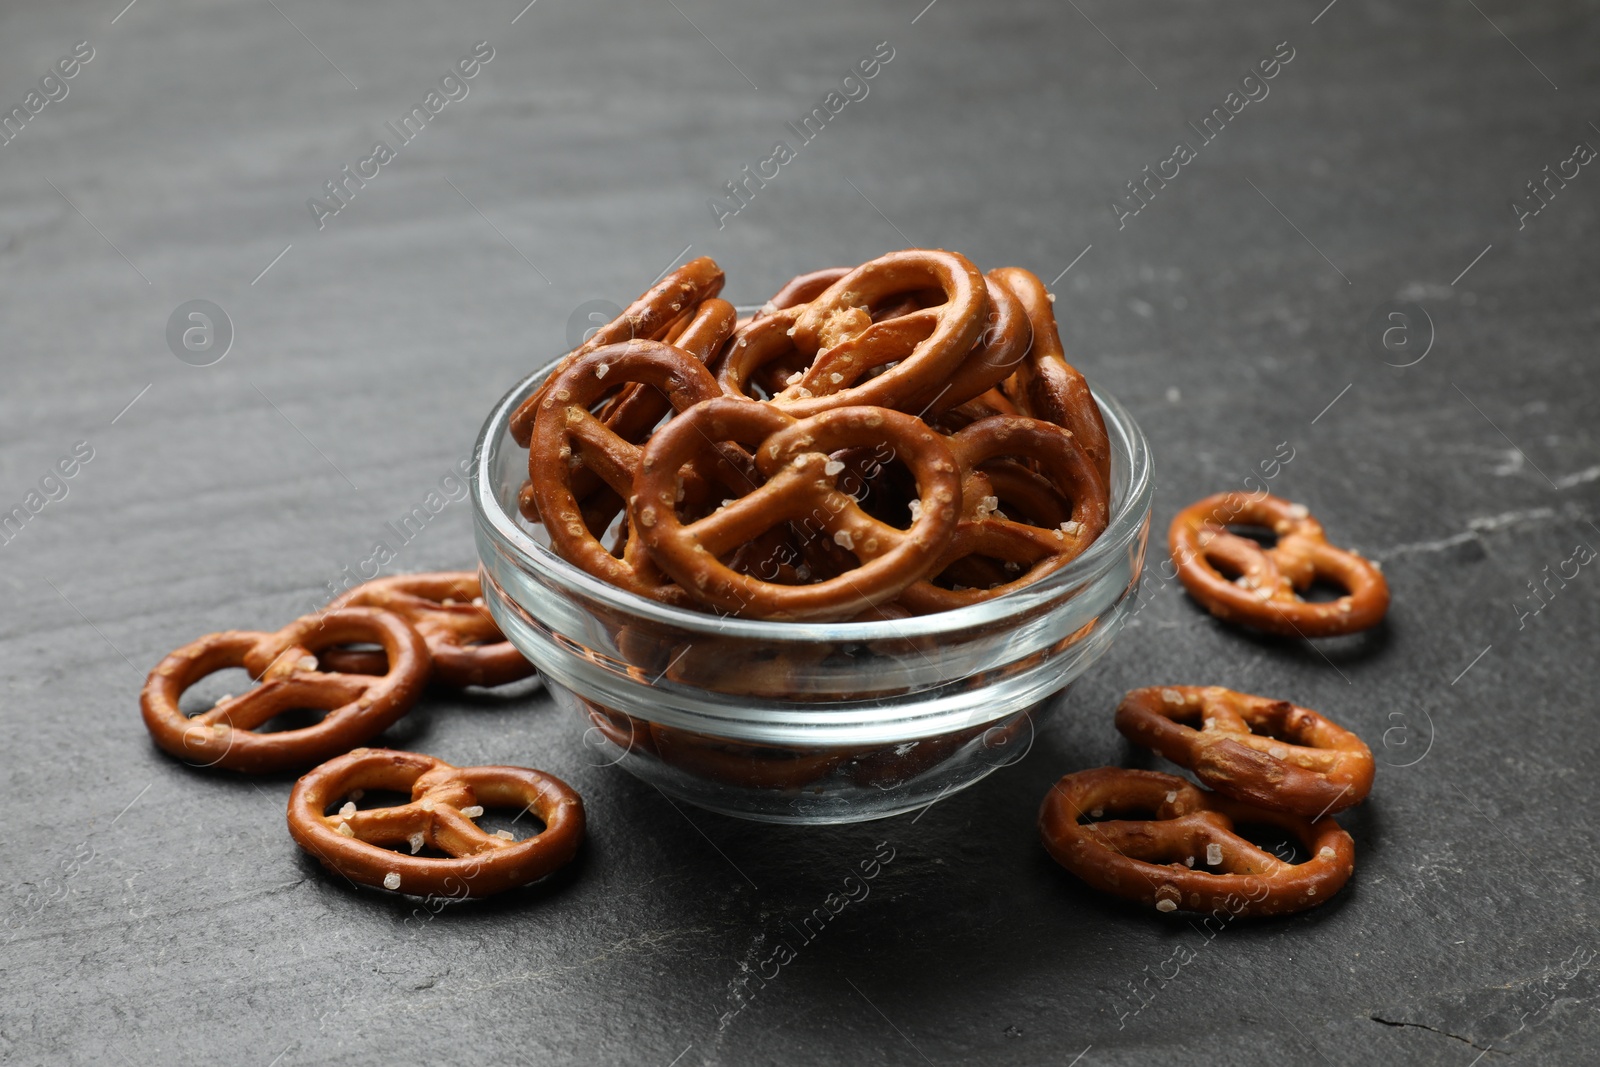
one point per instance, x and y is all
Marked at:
(364, 661)
(1157, 839)
(894, 439)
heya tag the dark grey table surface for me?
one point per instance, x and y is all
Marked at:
(155, 914)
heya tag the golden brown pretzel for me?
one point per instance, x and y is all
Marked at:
(1270, 753)
(566, 437)
(1046, 386)
(1001, 347)
(636, 410)
(984, 533)
(1021, 491)
(646, 319)
(803, 288)
(801, 483)
(358, 706)
(1264, 585)
(994, 402)
(444, 802)
(446, 608)
(1160, 860)
(925, 347)
(762, 353)
(633, 411)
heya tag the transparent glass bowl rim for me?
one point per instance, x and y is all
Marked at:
(1126, 522)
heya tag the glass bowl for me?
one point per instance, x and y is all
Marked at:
(804, 722)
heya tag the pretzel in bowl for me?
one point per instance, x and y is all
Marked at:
(1235, 579)
(446, 608)
(1002, 346)
(843, 346)
(803, 288)
(358, 706)
(363, 845)
(567, 437)
(648, 318)
(1160, 834)
(632, 411)
(741, 763)
(794, 456)
(619, 728)
(917, 335)
(1031, 552)
(1270, 753)
(1046, 386)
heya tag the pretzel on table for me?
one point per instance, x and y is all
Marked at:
(1265, 583)
(446, 608)
(358, 706)
(793, 454)
(1161, 833)
(363, 845)
(1270, 753)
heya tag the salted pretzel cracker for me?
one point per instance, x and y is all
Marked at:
(993, 402)
(637, 409)
(803, 288)
(1046, 386)
(984, 532)
(1235, 579)
(1002, 346)
(633, 411)
(801, 483)
(646, 319)
(1266, 752)
(566, 437)
(836, 335)
(444, 802)
(1162, 834)
(358, 706)
(446, 608)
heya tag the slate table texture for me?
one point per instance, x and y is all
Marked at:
(1243, 312)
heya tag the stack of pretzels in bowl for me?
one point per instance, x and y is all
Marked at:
(904, 436)
(708, 525)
